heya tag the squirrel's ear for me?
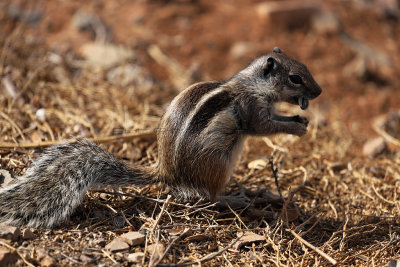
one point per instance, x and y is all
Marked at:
(270, 66)
(270, 63)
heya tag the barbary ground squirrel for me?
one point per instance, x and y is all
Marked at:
(201, 136)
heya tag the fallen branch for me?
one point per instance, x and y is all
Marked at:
(98, 140)
(320, 252)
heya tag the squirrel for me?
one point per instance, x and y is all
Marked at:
(200, 137)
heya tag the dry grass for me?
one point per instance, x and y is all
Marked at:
(336, 202)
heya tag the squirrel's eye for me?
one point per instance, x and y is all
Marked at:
(296, 79)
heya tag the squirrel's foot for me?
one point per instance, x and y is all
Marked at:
(233, 201)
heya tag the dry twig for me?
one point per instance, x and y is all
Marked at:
(320, 252)
(98, 140)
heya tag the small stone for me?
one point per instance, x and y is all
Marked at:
(8, 257)
(133, 238)
(326, 23)
(288, 13)
(105, 55)
(135, 257)
(117, 245)
(5, 178)
(47, 261)
(9, 87)
(374, 147)
(9, 232)
(41, 114)
(55, 58)
(27, 234)
(247, 239)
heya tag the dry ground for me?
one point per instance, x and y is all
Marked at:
(335, 198)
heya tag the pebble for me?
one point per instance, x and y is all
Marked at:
(248, 238)
(9, 232)
(135, 257)
(288, 13)
(117, 245)
(241, 49)
(326, 23)
(105, 55)
(41, 114)
(133, 238)
(27, 234)
(374, 147)
(47, 261)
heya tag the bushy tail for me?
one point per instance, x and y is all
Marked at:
(56, 183)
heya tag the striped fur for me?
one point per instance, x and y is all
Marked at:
(200, 138)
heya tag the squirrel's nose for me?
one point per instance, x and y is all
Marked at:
(317, 91)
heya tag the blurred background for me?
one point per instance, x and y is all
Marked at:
(351, 47)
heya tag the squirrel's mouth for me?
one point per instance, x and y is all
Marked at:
(301, 101)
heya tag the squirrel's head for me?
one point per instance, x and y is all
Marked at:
(285, 78)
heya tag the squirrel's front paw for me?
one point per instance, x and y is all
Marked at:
(301, 128)
(301, 119)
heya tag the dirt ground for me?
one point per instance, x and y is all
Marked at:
(339, 199)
